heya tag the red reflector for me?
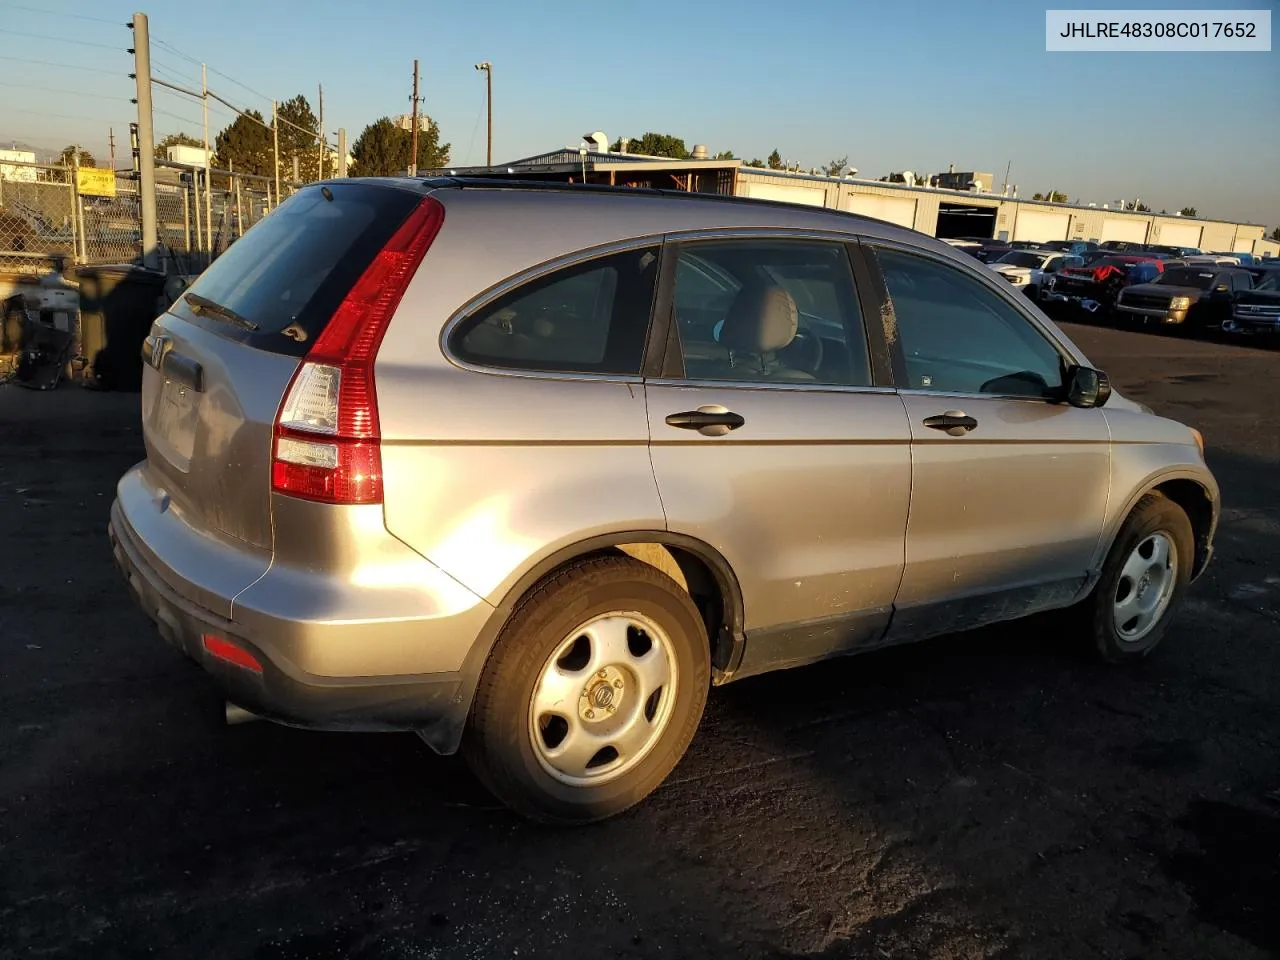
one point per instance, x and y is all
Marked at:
(224, 649)
(356, 479)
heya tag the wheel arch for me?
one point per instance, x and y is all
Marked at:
(695, 565)
(1197, 500)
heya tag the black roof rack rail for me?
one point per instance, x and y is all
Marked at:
(551, 186)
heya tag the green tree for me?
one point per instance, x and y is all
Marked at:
(775, 160)
(299, 137)
(655, 145)
(1056, 196)
(725, 155)
(71, 154)
(178, 139)
(1188, 211)
(836, 167)
(383, 149)
(1275, 234)
(1141, 207)
(756, 162)
(245, 146)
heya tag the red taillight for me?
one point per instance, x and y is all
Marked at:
(326, 433)
(229, 652)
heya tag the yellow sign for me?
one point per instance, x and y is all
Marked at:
(96, 182)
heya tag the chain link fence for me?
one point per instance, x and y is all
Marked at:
(52, 216)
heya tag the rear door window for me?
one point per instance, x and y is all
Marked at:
(288, 274)
(769, 310)
(591, 317)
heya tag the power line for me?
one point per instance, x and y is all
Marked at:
(73, 93)
(81, 43)
(186, 56)
(61, 13)
(63, 66)
(194, 123)
(64, 116)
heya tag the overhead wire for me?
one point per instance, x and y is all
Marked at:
(73, 93)
(62, 66)
(45, 36)
(60, 13)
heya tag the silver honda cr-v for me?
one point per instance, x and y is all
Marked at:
(528, 468)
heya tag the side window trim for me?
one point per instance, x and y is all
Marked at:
(667, 363)
(899, 361)
(872, 298)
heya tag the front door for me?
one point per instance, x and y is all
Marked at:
(772, 443)
(1009, 484)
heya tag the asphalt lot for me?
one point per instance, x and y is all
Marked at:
(989, 794)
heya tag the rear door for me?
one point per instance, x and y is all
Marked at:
(1009, 485)
(775, 439)
(218, 362)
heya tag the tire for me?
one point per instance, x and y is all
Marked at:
(1153, 517)
(541, 680)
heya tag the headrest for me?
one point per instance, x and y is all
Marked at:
(761, 319)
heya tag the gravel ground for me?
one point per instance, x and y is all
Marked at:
(987, 794)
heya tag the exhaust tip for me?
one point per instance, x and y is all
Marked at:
(237, 714)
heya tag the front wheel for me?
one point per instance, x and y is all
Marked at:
(592, 693)
(1142, 582)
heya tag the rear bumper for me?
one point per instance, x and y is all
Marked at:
(434, 704)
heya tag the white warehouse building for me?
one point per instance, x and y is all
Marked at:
(932, 210)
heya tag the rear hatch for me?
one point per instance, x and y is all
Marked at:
(219, 361)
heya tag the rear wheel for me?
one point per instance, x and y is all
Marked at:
(1142, 581)
(592, 693)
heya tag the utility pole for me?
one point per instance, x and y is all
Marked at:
(413, 150)
(320, 127)
(208, 181)
(146, 140)
(342, 151)
(111, 142)
(487, 68)
(275, 147)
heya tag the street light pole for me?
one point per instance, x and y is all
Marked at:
(487, 68)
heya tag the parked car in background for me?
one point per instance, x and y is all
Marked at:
(1210, 260)
(1257, 311)
(990, 252)
(1189, 297)
(1121, 246)
(1095, 285)
(1172, 251)
(534, 499)
(1074, 247)
(1244, 259)
(1027, 270)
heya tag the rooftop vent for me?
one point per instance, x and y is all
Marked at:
(699, 151)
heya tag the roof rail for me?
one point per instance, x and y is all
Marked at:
(551, 186)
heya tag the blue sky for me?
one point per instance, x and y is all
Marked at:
(908, 84)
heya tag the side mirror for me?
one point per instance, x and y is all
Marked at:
(1087, 387)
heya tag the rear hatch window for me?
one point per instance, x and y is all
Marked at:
(276, 288)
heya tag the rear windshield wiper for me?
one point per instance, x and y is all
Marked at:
(204, 307)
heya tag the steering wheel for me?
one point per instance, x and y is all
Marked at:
(804, 352)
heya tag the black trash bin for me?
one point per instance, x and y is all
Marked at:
(118, 303)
